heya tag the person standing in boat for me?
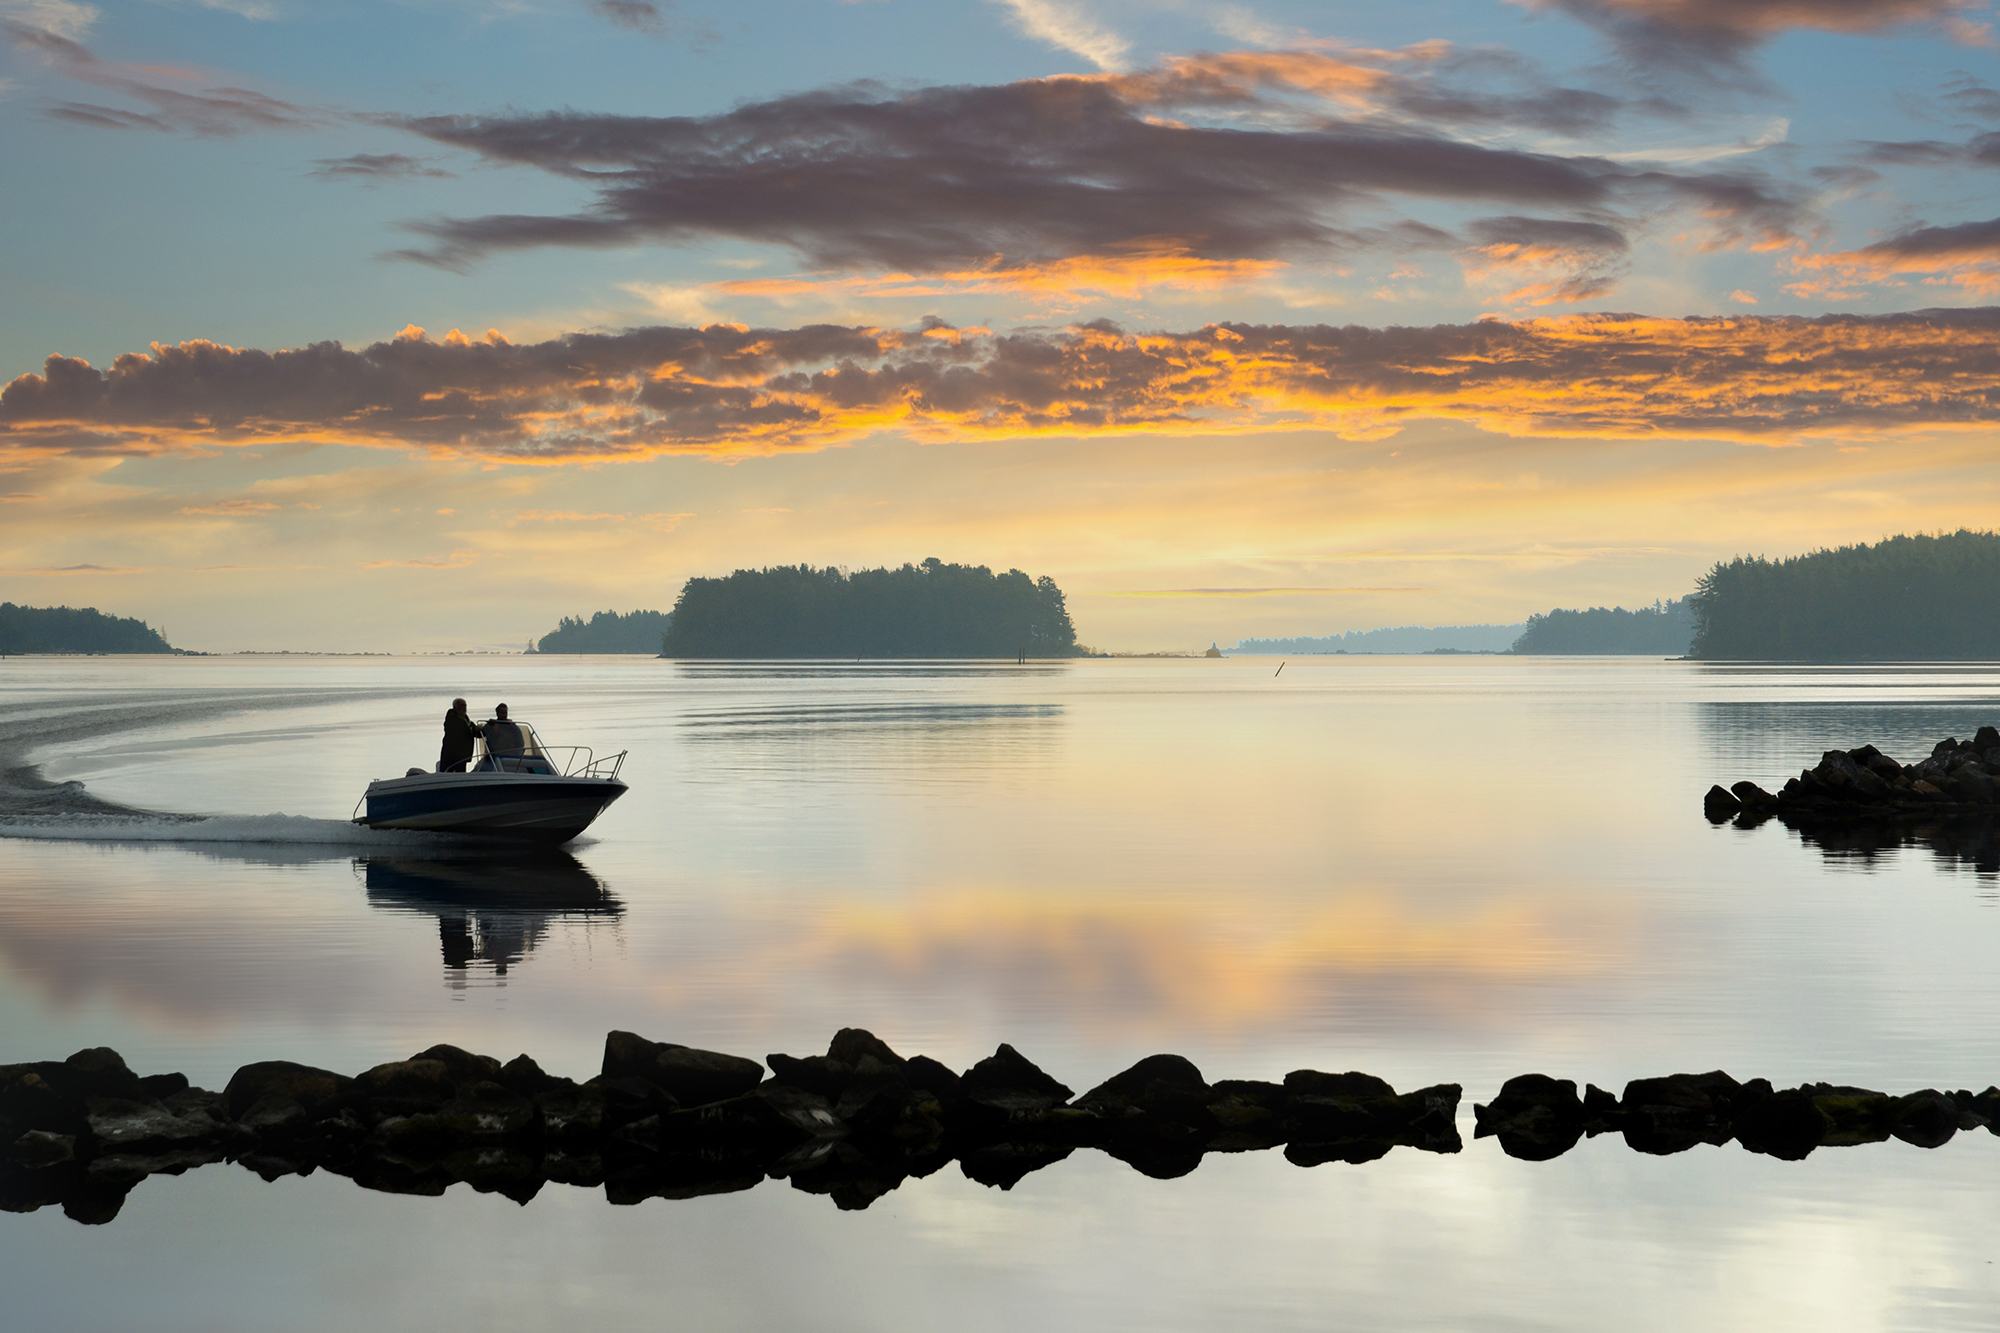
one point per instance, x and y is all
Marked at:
(503, 738)
(459, 733)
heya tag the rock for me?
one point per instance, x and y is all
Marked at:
(1856, 1115)
(1166, 1086)
(309, 1088)
(1927, 1119)
(818, 1074)
(38, 1149)
(877, 1096)
(849, 1045)
(524, 1076)
(463, 1066)
(405, 1086)
(627, 1099)
(30, 1101)
(929, 1076)
(118, 1124)
(159, 1087)
(1669, 1115)
(692, 1077)
(571, 1113)
(1752, 797)
(1535, 1116)
(773, 1116)
(1009, 1083)
(1986, 738)
(274, 1114)
(1720, 806)
(100, 1072)
(1786, 1125)
(1927, 790)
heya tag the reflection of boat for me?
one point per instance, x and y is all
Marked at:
(489, 910)
(525, 790)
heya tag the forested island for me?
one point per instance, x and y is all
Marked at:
(1399, 639)
(1663, 627)
(62, 629)
(1903, 598)
(929, 610)
(608, 632)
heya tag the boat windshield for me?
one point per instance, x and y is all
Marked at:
(510, 747)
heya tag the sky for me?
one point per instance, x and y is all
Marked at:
(416, 326)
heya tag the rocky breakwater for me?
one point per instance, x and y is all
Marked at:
(670, 1121)
(1960, 778)
(673, 1122)
(1536, 1117)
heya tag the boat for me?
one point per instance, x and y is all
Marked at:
(527, 792)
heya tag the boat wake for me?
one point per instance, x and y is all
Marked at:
(294, 830)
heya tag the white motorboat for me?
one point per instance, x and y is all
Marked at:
(528, 791)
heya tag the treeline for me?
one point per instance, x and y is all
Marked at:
(62, 629)
(609, 632)
(1663, 627)
(1400, 639)
(1904, 598)
(928, 610)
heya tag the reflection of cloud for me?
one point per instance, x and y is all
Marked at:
(1174, 967)
(732, 390)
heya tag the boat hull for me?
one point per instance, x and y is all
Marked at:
(532, 807)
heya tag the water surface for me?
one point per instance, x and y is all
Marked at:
(1433, 869)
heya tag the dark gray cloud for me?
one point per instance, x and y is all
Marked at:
(369, 168)
(1029, 173)
(633, 15)
(207, 113)
(1967, 240)
(730, 390)
(1710, 37)
(1981, 150)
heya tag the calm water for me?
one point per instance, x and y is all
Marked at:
(1431, 869)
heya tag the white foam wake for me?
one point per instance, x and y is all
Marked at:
(286, 829)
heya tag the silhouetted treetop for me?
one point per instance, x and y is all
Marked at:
(62, 629)
(1663, 627)
(1904, 598)
(608, 632)
(928, 610)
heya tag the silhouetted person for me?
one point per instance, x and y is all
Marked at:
(503, 738)
(459, 734)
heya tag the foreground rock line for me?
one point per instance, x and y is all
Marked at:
(1960, 780)
(675, 1122)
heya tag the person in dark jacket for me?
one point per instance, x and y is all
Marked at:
(459, 733)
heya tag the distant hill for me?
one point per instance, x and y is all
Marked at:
(608, 632)
(928, 610)
(1662, 628)
(1921, 598)
(1402, 639)
(62, 629)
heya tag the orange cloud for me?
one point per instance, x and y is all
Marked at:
(728, 391)
(1130, 271)
(1966, 256)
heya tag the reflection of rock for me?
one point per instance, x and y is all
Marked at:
(492, 908)
(669, 1121)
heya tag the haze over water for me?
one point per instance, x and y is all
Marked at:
(1431, 869)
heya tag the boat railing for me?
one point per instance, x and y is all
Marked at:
(567, 761)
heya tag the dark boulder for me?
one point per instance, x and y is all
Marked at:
(309, 1088)
(463, 1066)
(818, 1074)
(1856, 1115)
(39, 1149)
(1012, 1085)
(1720, 806)
(1927, 1119)
(849, 1045)
(402, 1087)
(940, 1081)
(521, 1074)
(1168, 1087)
(1786, 1125)
(1672, 1114)
(1536, 1117)
(1752, 797)
(689, 1075)
(117, 1124)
